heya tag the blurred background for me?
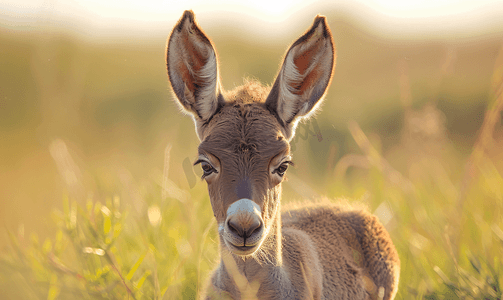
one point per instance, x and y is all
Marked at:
(86, 110)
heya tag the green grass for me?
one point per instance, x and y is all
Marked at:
(103, 252)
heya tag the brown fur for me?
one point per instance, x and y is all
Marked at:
(311, 251)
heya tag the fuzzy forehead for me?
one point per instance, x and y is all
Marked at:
(241, 128)
(244, 124)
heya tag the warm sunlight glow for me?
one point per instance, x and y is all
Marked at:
(104, 13)
(427, 8)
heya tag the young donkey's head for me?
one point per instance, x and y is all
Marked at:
(245, 134)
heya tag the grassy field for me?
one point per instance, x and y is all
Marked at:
(100, 199)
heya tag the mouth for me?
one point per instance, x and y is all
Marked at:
(241, 250)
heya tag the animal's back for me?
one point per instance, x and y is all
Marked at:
(354, 250)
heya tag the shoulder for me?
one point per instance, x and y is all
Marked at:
(351, 221)
(324, 208)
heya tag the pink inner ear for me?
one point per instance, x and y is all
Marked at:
(185, 75)
(306, 58)
(310, 80)
(193, 58)
(303, 61)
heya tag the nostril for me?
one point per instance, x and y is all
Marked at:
(234, 227)
(244, 231)
(254, 227)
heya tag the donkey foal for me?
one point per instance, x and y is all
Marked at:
(316, 251)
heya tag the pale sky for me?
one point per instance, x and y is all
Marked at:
(386, 14)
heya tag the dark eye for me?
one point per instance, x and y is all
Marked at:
(207, 168)
(282, 169)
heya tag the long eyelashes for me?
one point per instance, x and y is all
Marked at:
(198, 162)
(282, 168)
(208, 169)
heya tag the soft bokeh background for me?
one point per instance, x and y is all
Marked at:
(86, 111)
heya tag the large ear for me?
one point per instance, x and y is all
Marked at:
(304, 76)
(192, 69)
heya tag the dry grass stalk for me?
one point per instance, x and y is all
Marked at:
(165, 179)
(375, 159)
(485, 138)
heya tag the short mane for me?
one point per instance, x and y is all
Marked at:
(252, 91)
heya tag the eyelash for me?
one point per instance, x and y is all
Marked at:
(285, 164)
(205, 174)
